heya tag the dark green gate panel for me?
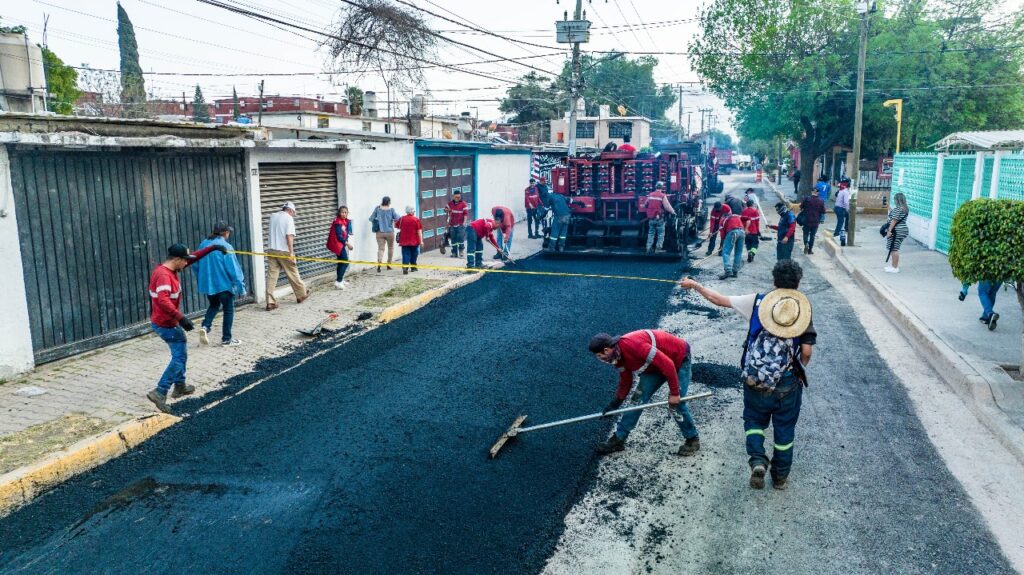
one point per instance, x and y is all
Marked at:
(93, 224)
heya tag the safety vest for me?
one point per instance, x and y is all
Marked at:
(655, 206)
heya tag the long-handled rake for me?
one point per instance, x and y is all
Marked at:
(517, 425)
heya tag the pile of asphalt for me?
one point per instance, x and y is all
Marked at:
(371, 457)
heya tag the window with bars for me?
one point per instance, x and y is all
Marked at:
(620, 129)
(585, 129)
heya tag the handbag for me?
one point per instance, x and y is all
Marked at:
(884, 230)
(376, 223)
(801, 219)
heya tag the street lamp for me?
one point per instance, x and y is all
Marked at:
(898, 103)
(865, 9)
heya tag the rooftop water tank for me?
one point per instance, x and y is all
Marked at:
(22, 80)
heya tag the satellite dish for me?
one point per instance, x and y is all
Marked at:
(621, 109)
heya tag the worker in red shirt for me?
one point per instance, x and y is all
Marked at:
(458, 213)
(506, 225)
(169, 323)
(626, 146)
(649, 357)
(476, 232)
(732, 233)
(532, 201)
(751, 217)
(657, 209)
(714, 222)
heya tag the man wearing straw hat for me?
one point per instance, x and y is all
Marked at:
(776, 349)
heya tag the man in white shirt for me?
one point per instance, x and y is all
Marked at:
(281, 249)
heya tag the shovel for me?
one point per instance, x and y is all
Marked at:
(517, 425)
(318, 328)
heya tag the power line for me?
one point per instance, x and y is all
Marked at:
(471, 27)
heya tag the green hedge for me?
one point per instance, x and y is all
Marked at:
(988, 241)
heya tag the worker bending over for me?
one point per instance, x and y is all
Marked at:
(478, 231)
(649, 357)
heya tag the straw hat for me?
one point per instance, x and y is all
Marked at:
(785, 313)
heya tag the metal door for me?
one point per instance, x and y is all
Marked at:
(313, 188)
(93, 225)
(439, 178)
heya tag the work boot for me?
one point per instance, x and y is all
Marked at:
(734, 274)
(750, 257)
(271, 306)
(780, 483)
(158, 399)
(181, 390)
(757, 476)
(611, 446)
(725, 275)
(690, 447)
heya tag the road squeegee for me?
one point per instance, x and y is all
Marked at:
(517, 425)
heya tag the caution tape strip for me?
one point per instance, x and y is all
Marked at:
(456, 269)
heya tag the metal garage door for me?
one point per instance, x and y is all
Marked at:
(93, 225)
(439, 178)
(313, 188)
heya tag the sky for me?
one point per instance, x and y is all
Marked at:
(188, 37)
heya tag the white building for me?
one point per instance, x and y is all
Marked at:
(598, 131)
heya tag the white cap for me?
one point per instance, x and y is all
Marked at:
(288, 206)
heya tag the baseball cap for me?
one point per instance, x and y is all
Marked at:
(177, 251)
(288, 206)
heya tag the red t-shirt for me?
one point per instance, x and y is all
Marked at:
(408, 230)
(532, 198)
(507, 221)
(634, 348)
(626, 148)
(751, 220)
(165, 292)
(717, 215)
(730, 222)
(484, 229)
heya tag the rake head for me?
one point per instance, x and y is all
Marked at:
(511, 432)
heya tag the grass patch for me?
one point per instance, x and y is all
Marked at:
(34, 443)
(402, 292)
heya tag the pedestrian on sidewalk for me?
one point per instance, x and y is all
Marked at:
(410, 238)
(458, 214)
(382, 222)
(778, 346)
(281, 237)
(476, 232)
(657, 209)
(506, 225)
(786, 229)
(751, 218)
(714, 223)
(221, 280)
(732, 245)
(842, 210)
(796, 182)
(897, 231)
(560, 213)
(987, 292)
(169, 323)
(339, 243)
(647, 359)
(532, 202)
(812, 211)
(823, 189)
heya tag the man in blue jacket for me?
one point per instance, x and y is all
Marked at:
(221, 280)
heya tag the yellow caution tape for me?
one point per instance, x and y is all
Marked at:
(455, 268)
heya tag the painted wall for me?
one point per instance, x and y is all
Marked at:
(373, 171)
(310, 121)
(15, 337)
(501, 179)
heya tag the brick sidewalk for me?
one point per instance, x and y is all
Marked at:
(110, 384)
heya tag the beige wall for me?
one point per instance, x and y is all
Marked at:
(641, 132)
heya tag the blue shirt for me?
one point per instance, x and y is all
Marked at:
(385, 218)
(823, 190)
(219, 272)
(559, 204)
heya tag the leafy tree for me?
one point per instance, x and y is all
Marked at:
(235, 114)
(616, 80)
(354, 95)
(11, 29)
(133, 88)
(759, 149)
(532, 103)
(988, 244)
(200, 113)
(722, 140)
(61, 83)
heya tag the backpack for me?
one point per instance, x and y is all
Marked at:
(766, 357)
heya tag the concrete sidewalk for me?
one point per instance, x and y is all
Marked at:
(64, 402)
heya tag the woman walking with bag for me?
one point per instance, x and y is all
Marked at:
(410, 237)
(895, 231)
(383, 221)
(339, 245)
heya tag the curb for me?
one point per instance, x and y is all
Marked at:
(994, 398)
(21, 485)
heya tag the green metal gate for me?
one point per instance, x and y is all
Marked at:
(957, 186)
(93, 224)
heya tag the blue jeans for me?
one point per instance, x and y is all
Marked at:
(841, 218)
(225, 300)
(474, 249)
(342, 267)
(784, 251)
(409, 255)
(505, 243)
(649, 384)
(987, 292)
(655, 227)
(760, 409)
(175, 372)
(732, 249)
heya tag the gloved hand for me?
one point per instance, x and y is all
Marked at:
(220, 248)
(615, 404)
(186, 324)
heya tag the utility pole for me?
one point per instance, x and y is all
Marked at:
(689, 116)
(864, 9)
(259, 117)
(574, 34)
(680, 112)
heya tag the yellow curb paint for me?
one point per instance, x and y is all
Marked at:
(21, 485)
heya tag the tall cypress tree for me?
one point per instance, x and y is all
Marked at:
(133, 88)
(200, 113)
(234, 97)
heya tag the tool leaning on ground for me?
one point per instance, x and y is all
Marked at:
(517, 426)
(319, 327)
